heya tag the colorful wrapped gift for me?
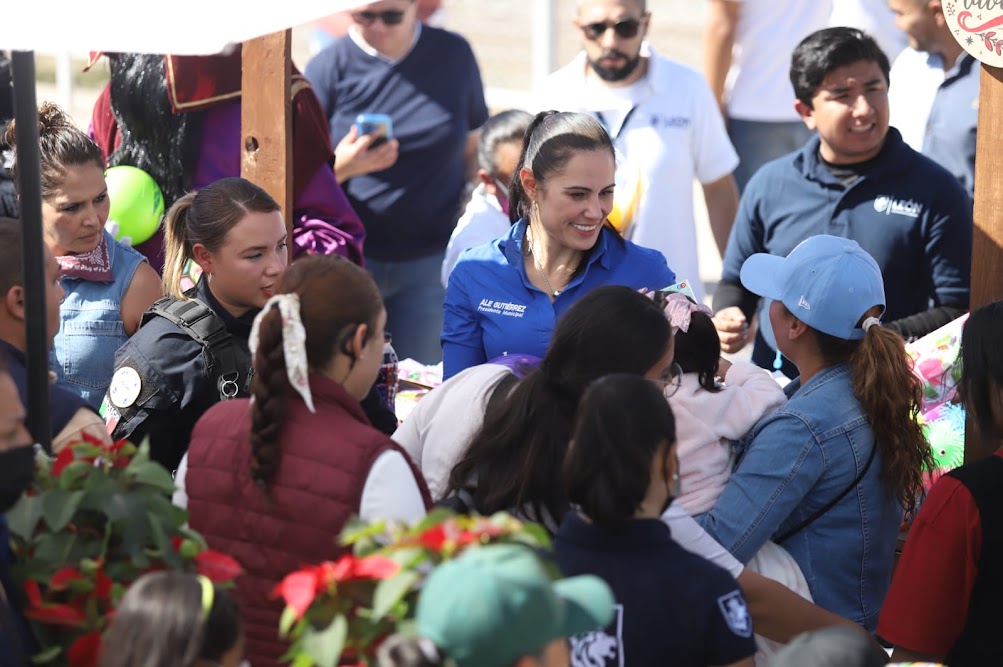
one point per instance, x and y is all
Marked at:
(936, 362)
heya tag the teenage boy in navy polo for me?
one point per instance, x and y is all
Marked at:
(856, 179)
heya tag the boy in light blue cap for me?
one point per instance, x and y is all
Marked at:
(829, 474)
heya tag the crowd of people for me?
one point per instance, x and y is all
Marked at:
(703, 510)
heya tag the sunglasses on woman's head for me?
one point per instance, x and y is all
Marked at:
(624, 29)
(389, 17)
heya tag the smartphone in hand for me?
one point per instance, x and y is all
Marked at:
(378, 124)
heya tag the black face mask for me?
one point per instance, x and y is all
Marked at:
(17, 470)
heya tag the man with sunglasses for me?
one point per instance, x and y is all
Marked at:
(666, 128)
(409, 190)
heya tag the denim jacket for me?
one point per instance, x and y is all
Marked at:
(795, 462)
(91, 327)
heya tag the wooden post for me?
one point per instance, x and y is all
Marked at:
(266, 119)
(987, 238)
(987, 241)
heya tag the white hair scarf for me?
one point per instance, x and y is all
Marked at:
(293, 343)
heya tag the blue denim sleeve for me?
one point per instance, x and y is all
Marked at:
(747, 234)
(462, 337)
(781, 464)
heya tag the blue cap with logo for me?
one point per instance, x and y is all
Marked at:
(827, 282)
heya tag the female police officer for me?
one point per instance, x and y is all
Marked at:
(191, 350)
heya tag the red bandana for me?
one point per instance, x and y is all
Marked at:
(94, 266)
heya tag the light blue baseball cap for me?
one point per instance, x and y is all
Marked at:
(827, 282)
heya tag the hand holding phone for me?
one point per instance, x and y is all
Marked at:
(380, 125)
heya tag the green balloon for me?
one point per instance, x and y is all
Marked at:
(136, 203)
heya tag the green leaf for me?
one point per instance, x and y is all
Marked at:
(357, 529)
(53, 549)
(406, 557)
(59, 506)
(152, 474)
(325, 645)
(22, 519)
(287, 621)
(46, 656)
(391, 591)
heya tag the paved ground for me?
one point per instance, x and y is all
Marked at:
(501, 33)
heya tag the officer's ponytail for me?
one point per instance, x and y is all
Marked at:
(206, 217)
(177, 249)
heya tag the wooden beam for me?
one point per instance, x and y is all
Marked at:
(987, 238)
(266, 119)
(987, 241)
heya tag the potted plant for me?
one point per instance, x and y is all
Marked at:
(96, 518)
(340, 611)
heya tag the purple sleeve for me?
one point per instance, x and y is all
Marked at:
(325, 222)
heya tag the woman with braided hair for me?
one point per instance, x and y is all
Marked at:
(272, 480)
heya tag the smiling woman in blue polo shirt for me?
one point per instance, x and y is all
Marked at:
(505, 296)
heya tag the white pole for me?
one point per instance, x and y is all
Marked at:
(544, 44)
(64, 80)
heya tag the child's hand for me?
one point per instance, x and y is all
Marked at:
(732, 329)
(723, 365)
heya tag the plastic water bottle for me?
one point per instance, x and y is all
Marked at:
(388, 378)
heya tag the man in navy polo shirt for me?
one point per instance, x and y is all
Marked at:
(856, 179)
(407, 191)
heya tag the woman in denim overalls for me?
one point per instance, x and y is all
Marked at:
(108, 285)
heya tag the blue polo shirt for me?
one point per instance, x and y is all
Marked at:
(63, 403)
(435, 98)
(673, 607)
(952, 125)
(907, 211)
(492, 308)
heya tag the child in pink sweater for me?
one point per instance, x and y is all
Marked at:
(716, 402)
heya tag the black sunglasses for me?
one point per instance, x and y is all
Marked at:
(389, 17)
(624, 29)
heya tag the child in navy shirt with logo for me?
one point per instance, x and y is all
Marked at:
(621, 473)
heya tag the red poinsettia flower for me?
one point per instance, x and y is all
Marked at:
(299, 588)
(434, 538)
(65, 457)
(218, 567)
(102, 585)
(448, 534)
(71, 615)
(61, 579)
(84, 652)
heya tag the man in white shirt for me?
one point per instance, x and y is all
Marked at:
(747, 60)
(666, 128)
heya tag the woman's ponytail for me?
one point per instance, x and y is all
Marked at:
(177, 247)
(269, 389)
(890, 395)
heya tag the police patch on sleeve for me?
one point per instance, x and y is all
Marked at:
(735, 613)
(125, 387)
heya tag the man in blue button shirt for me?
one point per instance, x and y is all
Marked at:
(856, 179)
(935, 101)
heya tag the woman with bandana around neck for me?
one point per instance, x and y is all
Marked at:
(272, 481)
(486, 215)
(507, 295)
(108, 284)
(17, 469)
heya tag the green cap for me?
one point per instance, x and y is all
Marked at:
(495, 604)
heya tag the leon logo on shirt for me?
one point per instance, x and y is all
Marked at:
(600, 648)
(736, 613)
(501, 308)
(888, 205)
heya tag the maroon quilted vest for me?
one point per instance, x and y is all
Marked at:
(325, 459)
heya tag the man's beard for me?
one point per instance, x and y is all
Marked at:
(618, 73)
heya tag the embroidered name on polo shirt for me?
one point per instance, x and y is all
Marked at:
(501, 308)
(658, 120)
(906, 207)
